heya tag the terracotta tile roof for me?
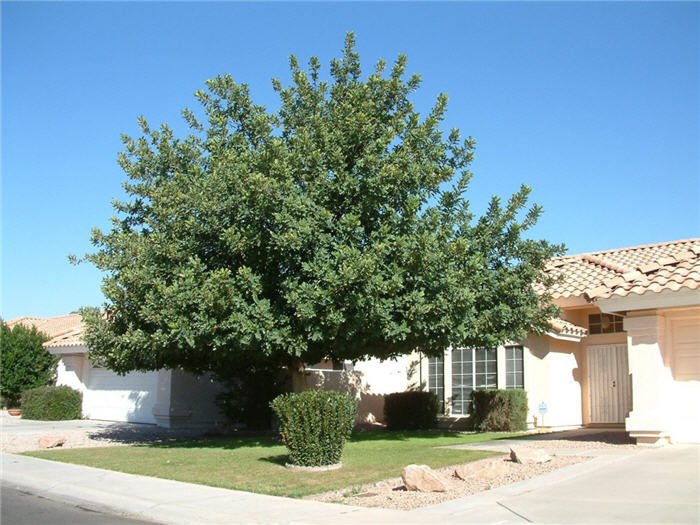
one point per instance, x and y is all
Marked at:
(51, 326)
(637, 270)
(72, 338)
(566, 328)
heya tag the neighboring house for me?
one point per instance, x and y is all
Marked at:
(625, 351)
(169, 398)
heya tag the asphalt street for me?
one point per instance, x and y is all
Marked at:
(21, 508)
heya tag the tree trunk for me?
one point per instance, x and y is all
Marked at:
(299, 377)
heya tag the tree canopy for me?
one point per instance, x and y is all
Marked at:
(336, 226)
(25, 362)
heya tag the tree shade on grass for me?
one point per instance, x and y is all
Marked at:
(257, 464)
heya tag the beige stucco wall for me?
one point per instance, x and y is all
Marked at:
(553, 376)
(369, 381)
(185, 400)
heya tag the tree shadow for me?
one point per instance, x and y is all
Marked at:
(151, 435)
(398, 435)
(609, 436)
(281, 459)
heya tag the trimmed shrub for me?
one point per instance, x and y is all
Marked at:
(51, 403)
(411, 410)
(315, 425)
(499, 410)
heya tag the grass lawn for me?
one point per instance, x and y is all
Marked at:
(256, 464)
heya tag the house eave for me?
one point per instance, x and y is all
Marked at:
(565, 337)
(67, 349)
(649, 300)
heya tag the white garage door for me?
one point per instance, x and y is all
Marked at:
(112, 397)
(685, 337)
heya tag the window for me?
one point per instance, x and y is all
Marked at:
(514, 367)
(604, 324)
(436, 379)
(472, 368)
(462, 380)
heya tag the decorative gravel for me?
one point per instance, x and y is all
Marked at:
(112, 436)
(74, 439)
(392, 494)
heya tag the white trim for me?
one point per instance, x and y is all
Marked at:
(72, 349)
(563, 337)
(649, 300)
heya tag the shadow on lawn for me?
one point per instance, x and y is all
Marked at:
(226, 443)
(280, 459)
(149, 435)
(610, 436)
(403, 435)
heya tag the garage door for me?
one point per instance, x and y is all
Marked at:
(112, 397)
(685, 338)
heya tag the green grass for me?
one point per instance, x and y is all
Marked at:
(256, 464)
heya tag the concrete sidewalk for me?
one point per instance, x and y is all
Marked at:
(174, 502)
(651, 486)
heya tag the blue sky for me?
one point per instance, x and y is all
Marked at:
(594, 105)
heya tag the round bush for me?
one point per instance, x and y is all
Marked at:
(315, 425)
(51, 403)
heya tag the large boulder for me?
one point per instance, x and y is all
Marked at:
(51, 441)
(484, 471)
(529, 455)
(422, 478)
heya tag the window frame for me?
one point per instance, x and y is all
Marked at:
(438, 364)
(512, 373)
(596, 324)
(463, 406)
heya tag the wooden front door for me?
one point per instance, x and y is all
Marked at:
(609, 383)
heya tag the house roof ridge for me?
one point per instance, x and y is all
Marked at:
(626, 248)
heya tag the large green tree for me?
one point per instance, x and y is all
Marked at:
(336, 226)
(24, 362)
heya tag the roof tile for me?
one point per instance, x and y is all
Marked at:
(621, 272)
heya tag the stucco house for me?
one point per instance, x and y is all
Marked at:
(168, 398)
(625, 351)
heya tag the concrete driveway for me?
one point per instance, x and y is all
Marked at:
(653, 486)
(20, 435)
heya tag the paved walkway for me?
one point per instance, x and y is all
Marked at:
(651, 486)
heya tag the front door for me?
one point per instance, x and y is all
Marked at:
(609, 383)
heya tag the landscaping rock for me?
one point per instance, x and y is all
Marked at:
(529, 455)
(51, 442)
(486, 472)
(422, 478)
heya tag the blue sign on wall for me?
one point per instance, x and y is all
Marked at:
(543, 408)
